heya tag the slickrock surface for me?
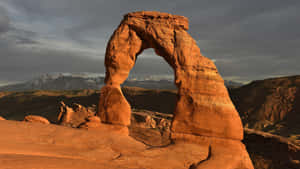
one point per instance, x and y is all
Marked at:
(33, 145)
(36, 119)
(203, 107)
(267, 151)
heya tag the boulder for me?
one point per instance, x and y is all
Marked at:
(73, 116)
(150, 122)
(95, 119)
(91, 122)
(36, 119)
(164, 124)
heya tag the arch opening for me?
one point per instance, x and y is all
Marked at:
(153, 97)
(152, 69)
(151, 92)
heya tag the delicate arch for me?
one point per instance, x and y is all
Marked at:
(203, 106)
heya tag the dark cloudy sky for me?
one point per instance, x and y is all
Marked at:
(248, 39)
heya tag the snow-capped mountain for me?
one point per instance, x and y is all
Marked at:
(72, 81)
(60, 81)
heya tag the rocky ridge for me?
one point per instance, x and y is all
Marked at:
(270, 105)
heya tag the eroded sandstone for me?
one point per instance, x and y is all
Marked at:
(204, 113)
(36, 119)
(91, 122)
(73, 116)
(203, 106)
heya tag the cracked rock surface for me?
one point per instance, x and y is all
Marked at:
(34, 145)
(45, 146)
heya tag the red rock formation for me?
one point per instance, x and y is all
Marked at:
(36, 119)
(203, 107)
(73, 116)
(91, 122)
(204, 112)
(65, 113)
(150, 122)
(164, 124)
(113, 107)
(95, 119)
(267, 151)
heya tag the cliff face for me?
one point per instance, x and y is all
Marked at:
(271, 105)
(269, 151)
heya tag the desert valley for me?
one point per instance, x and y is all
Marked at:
(152, 114)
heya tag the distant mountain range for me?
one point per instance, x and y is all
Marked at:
(68, 81)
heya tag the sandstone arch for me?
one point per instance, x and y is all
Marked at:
(203, 107)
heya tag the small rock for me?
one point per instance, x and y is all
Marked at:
(164, 124)
(36, 119)
(89, 125)
(150, 122)
(94, 119)
(73, 116)
(91, 122)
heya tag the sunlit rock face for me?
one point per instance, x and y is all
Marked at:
(203, 106)
(75, 115)
(36, 119)
(204, 113)
(2, 118)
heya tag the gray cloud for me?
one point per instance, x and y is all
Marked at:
(4, 20)
(21, 63)
(249, 39)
